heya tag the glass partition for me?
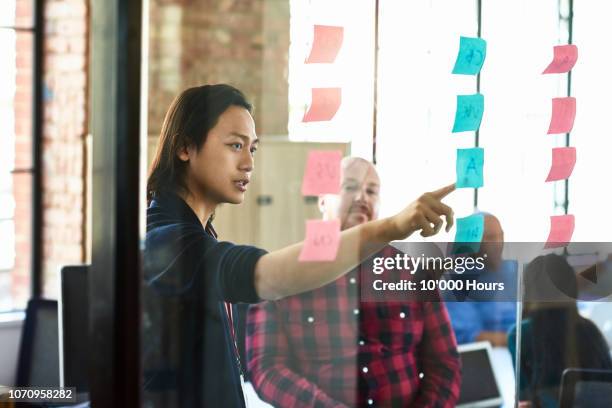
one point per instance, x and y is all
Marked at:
(222, 185)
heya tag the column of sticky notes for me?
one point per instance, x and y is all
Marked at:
(563, 158)
(326, 44)
(322, 174)
(468, 116)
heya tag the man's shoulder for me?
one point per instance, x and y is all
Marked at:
(176, 233)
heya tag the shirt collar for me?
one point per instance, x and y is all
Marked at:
(173, 204)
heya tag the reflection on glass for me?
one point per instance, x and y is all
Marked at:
(328, 345)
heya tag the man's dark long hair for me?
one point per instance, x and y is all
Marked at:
(561, 338)
(189, 119)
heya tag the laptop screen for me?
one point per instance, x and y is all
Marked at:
(593, 394)
(477, 377)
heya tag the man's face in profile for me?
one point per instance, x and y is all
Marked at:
(359, 198)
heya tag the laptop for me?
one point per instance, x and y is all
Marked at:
(479, 383)
(582, 388)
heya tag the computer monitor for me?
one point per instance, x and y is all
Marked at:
(582, 388)
(479, 384)
(38, 364)
(74, 327)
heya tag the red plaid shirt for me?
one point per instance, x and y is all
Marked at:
(319, 349)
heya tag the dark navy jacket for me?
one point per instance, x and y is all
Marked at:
(189, 358)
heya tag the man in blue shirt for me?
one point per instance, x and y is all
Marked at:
(487, 320)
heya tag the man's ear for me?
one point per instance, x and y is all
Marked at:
(183, 153)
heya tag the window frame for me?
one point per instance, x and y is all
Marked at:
(37, 30)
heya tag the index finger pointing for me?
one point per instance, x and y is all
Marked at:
(444, 191)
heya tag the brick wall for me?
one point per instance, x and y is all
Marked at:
(240, 42)
(64, 133)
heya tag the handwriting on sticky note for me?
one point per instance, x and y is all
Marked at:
(471, 56)
(469, 168)
(325, 103)
(469, 112)
(469, 234)
(563, 162)
(564, 59)
(326, 43)
(322, 175)
(561, 231)
(321, 242)
(563, 115)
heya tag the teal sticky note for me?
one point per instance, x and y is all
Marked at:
(469, 112)
(469, 234)
(471, 56)
(469, 167)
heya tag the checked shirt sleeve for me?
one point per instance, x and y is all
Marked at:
(439, 359)
(269, 363)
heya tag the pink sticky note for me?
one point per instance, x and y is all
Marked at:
(325, 104)
(561, 231)
(322, 175)
(563, 115)
(326, 44)
(565, 57)
(322, 241)
(563, 162)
